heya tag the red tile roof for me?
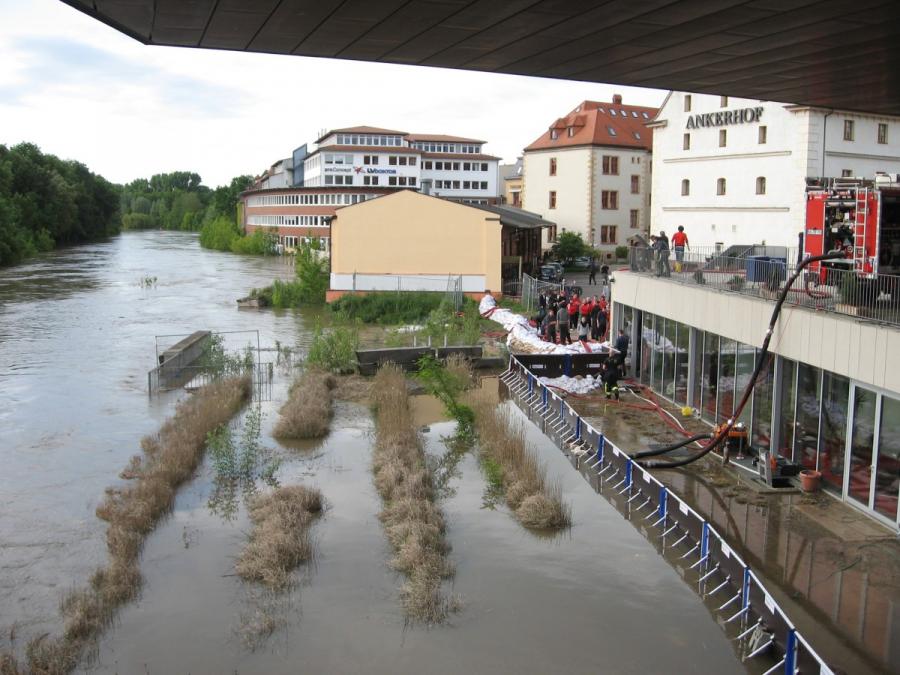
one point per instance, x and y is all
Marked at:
(599, 123)
(414, 138)
(363, 130)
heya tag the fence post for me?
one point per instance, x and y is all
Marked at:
(790, 653)
(663, 502)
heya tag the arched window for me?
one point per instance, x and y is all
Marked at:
(761, 185)
(720, 186)
(685, 187)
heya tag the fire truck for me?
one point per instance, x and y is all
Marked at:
(860, 218)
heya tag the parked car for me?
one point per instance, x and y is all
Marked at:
(550, 273)
(560, 269)
(581, 263)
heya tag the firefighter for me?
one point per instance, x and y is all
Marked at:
(611, 375)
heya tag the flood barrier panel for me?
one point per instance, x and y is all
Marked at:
(743, 605)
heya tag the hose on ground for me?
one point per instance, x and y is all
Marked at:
(670, 448)
(763, 353)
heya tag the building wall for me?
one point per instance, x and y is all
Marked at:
(407, 233)
(795, 140)
(865, 352)
(572, 184)
(631, 163)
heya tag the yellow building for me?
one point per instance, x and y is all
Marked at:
(415, 242)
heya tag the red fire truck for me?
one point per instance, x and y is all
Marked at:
(860, 218)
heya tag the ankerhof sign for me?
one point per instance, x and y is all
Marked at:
(724, 118)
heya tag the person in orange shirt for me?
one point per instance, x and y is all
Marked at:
(680, 242)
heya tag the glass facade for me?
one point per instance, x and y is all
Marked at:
(818, 419)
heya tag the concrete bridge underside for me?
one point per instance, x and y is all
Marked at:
(830, 53)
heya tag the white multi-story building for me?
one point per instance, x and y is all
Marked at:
(590, 172)
(448, 166)
(733, 171)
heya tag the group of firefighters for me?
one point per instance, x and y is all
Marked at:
(561, 314)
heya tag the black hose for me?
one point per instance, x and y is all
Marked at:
(763, 352)
(669, 448)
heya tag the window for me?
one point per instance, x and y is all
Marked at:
(720, 186)
(610, 165)
(723, 101)
(612, 132)
(402, 161)
(370, 180)
(467, 185)
(456, 185)
(882, 133)
(553, 166)
(483, 167)
(392, 180)
(609, 199)
(848, 130)
(552, 199)
(427, 166)
(554, 134)
(484, 185)
(637, 136)
(687, 103)
(685, 187)
(635, 185)
(402, 181)
(412, 181)
(607, 234)
(370, 159)
(846, 173)
(761, 185)
(571, 131)
(634, 218)
(723, 137)
(763, 133)
(686, 142)
(467, 166)
(392, 160)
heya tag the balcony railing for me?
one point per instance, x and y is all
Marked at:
(836, 289)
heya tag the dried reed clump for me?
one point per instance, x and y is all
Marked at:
(307, 413)
(460, 367)
(280, 538)
(535, 503)
(413, 523)
(169, 459)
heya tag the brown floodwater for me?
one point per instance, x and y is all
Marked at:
(76, 340)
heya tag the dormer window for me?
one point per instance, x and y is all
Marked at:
(571, 131)
(554, 134)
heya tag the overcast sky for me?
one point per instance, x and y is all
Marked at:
(84, 91)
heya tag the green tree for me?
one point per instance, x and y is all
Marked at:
(569, 245)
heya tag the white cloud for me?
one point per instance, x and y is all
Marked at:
(82, 90)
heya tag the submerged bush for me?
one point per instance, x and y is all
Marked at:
(307, 412)
(334, 349)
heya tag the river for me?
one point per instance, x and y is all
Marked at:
(77, 334)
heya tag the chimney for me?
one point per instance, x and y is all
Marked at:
(617, 98)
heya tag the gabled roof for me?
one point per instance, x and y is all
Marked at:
(599, 123)
(362, 130)
(414, 138)
(514, 216)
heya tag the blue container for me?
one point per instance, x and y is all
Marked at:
(757, 267)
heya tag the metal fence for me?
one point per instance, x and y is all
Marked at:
(743, 606)
(834, 289)
(532, 288)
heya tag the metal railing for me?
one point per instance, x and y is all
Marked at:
(532, 288)
(744, 608)
(837, 289)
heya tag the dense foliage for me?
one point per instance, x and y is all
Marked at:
(390, 307)
(334, 349)
(223, 234)
(46, 202)
(178, 201)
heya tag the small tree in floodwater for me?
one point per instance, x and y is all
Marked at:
(239, 465)
(216, 361)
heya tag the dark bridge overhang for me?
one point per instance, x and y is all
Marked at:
(830, 53)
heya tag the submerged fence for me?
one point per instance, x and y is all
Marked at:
(745, 608)
(833, 289)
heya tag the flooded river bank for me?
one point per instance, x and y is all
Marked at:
(76, 340)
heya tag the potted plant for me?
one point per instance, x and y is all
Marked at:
(810, 480)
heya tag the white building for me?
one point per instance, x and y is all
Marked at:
(733, 171)
(590, 172)
(448, 166)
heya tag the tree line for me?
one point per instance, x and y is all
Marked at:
(47, 202)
